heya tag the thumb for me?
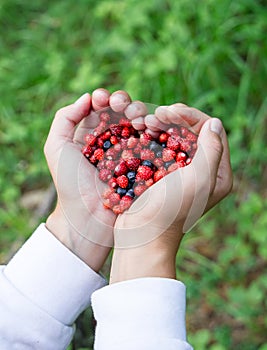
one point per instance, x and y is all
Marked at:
(210, 148)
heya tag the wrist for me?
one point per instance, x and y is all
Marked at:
(82, 244)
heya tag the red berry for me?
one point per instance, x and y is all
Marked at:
(121, 169)
(117, 147)
(105, 117)
(158, 162)
(90, 139)
(112, 182)
(183, 131)
(149, 182)
(125, 122)
(168, 154)
(137, 149)
(147, 154)
(110, 164)
(93, 160)
(122, 181)
(144, 173)
(163, 137)
(117, 209)
(114, 199)
(100, 142)
(111, 154)
(101, 164)
(114, 139)
(106, 135)
(173, 143)
(126, 132)
(132, 142)
(139, 189)
(191, 137)
(145, 139)
(188, 161)
(185, 145)
(99, 154)
(87, 151)
(105, 175)
(159, 174)
(181, 156)
(125, 203)
(116, 129)
(133, 163)
(107, 192)
(126, 154)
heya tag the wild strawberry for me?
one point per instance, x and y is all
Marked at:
(181, 156)
(87, 151)
(145, 139)
(132, 142)
(126, 154)
(149, 182)
(110, 164)
(116, 129)
(159, 174)
(100, 142)
(99, 154)
(184, 131)
(188, 161)
(100, 128)
(117, 209)
(168, 154)
(147, 154)
(111, 154)
(173, 131)
(144, 173)
(90, 139)
(121, 169)
(122, 181)
(158, 162)
(101, 164)
(126, 132)
(114, 139)
(185, 146)
(114, 198)
(104, 116)
(123, 143)
(105, 175)
(175, 166)
(137, 149)
(163, 137)
(125, 203)
(133, 163)
(191, 137)
(93, 160)
(173, 143)
(139, 189)
(112, 182)
(125, 122)
(107, 192)
(106, 135)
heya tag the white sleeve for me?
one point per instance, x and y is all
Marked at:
(42, 291)
(143, 314)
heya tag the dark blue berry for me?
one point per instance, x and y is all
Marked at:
(163, 145)
(159, 154)
(121, 191)
(131, 176)
(130, 193)
(106, 145)
(147, 163)
(167, 164)
(154, 146)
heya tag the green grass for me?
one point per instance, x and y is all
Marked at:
(209, 54)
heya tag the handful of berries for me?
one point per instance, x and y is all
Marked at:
(131, 161)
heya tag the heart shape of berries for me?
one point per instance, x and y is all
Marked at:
(130, 161)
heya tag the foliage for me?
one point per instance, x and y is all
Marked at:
(208, 54)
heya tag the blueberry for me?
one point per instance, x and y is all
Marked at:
(163, 145)
(167, 164)
(154, 146)
(131, 176)
(147, 163)
(159, 154)
(130, 193)
(106, 145)
(121, 191)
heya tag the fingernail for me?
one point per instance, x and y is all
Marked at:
(216, 126)
(81, 99)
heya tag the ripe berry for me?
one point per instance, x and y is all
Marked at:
(122, 181)
(116, 129)
(139, 189)
(105, 175)
(114, 139)
(148, 163)
(99, 154)
(159, 174)
(112, 182)
(90, 139)
(145, 139)
(87, 151)
(114, 198)
(133, 163)
(125, 202)
(181, 156)
(121, 169)
(106, 145)
(126, 154)
(132, 142)
(147, 154)
(144, 173)
(121, 191)
(173, 143)
(163, 137)
(104, 116)
(131, 176)
(130, 193)
(126, 132)
(168, 154)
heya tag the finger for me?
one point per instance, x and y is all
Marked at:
(139, 123)
(119, 100)
(63, 126)
(135, 110)
(154, 123)
(100, 99)
(202, 172)
(209, 153)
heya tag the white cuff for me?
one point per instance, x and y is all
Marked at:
(145, 310)
(52, 277)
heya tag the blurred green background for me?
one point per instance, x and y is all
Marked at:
(206, 53)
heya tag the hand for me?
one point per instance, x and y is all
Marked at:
(148, 235)
(79, 220)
